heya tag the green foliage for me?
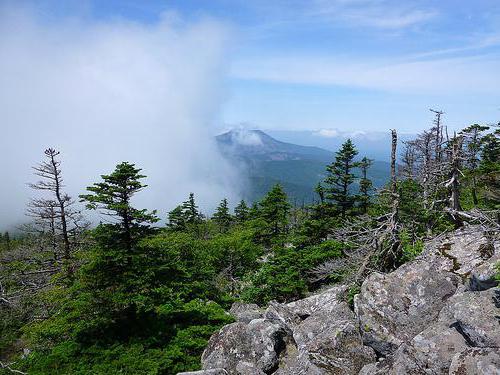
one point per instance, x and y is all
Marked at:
(411, 248)
(241, 212)
(222, 217)
(272, 222)
(340, 177)
(284, 275)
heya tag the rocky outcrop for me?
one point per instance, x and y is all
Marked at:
(439, 314)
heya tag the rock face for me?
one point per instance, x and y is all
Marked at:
(439, 314)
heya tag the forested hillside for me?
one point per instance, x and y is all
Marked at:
(267, 162)
(133, 295)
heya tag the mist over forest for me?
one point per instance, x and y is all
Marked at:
(249, 187)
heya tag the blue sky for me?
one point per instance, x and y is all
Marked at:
(340, 64)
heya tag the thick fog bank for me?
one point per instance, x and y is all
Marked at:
(107, 92)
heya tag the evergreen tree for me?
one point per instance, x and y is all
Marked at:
(113, 197)
(241, 212)
(191, 213)
(340, 177)
(490, 169)
(274, 209)
(254, 211)
(473, 143)
(365, 184)
(177, 219)
(222, 217)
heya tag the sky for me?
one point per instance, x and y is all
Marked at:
(152, 81)
(342, 64)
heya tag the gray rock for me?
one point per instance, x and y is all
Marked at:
(245, 312)
(475, 315)
(331, 342)
(258, 342)
(247, 368)
(325, 301)
(283, 316)
(468, 248)
(393, 308)
(483, 276)
(476, 361)
(215, 371)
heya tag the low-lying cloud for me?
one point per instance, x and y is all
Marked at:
(106, 92)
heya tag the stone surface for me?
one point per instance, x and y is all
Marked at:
(258, 342)
(215, 371)
(245, 312)
(476, 361)
(393, 308)
(468, 248)
(327, 300)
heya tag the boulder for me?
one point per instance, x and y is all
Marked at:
(245, 312)
(476, 361)
(215, 371)
(325, 301)
(258, 343)
(475, 315)
(395, 307)
(283, 316)
(483, 276)
(468, 248)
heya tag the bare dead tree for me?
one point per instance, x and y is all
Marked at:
(54, 212)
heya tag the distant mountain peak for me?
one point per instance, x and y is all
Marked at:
(252, 143)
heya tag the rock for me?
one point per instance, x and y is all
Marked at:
(329, 341)
(468, 248)
(483, 276)
(283, 316)
(258, 342)
(247, 368)
(475, 315)
(476, 361)
(245, 312)
(215, 371)
(393, 308)
(325, 301)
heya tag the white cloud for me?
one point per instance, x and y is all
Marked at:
(326, 133)
(107, 92)
(449, 75)
(382, 14)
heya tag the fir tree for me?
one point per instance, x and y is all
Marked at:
(113, 197)
(177, 219)
(241, 212)
(340, 177)
(365, 184)
(191, 213)
(222, 217)
(473, 143)
(274, 210)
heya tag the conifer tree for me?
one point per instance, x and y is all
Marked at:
(340, 177)
(191, 213)
(222, 217)
(274, 209)
(241, 212)
(473, 140)
(365, 184)
(177, 219)
(113, 198)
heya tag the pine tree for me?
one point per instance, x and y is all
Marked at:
(365, 184)
(473, 140)
(222, 217)
(191, 212)
(113, 197)
(340, 177)
(490, 169)
(241, 212)
(177, 219)
(274, 209)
